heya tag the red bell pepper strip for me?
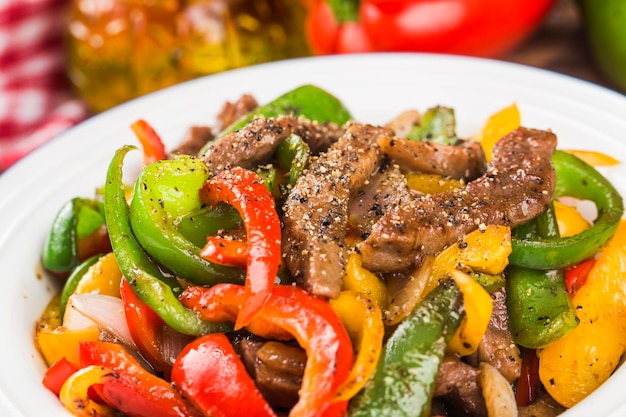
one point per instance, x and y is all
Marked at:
(228, 252)
(151, 143)
(245, 190)
(528, 382)
(211, 375)
(313, 323)
(576, 276)
(145, 326)
(57, 374)
(134, 391)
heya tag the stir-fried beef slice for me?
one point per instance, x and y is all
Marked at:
(316, 210)
(457, 385)
(402, 124)
(517, 186)
(464, 162)
(276, 368)
(497, 347)
(195, 139)
(256, 143)
(231, 112)
(387, 189)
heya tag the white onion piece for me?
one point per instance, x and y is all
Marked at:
(74, 319)
(497, 392)
(106, 311)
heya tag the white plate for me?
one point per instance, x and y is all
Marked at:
(374, 87)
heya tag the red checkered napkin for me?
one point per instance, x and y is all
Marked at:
(36, 103)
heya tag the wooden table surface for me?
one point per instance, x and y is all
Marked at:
(559, 45)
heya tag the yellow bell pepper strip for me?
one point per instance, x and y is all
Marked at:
(56, 342)
(405, 376)
(431, 183)
(499, 124)
(151, 285)
(165, 192)
(244, 190)
(75, 392)
(594, 158)
(311, 320)
(210, 374)
(151, 143)
(103, 277)
(569, 220)
(575, 179)
(576, 365)
(478, 307)
(362, 318)
(361, 280)
(130, 388)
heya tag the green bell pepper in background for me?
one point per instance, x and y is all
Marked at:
(166, 192)
(405, 377)
(158, 291)
(72, 281)
(438, 125)
(574, 178)
(309, 101)
(605, 22)
(76, 219)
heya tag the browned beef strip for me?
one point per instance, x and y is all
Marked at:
(276, 368)
(256, 142)
(230, 112)
(385, 190)
(464, 162)
(195, 139)
(497, 347)
(316, 210)
(457, 385)
(517, 186)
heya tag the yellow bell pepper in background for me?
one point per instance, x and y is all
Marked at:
(569, 220)
(499, 124)
(362, 318)
(478, 307)
(575, 365)
(75, 392)
(103, 277)
(361, 280)
(594, 158)
(432, 183)
(54, 341)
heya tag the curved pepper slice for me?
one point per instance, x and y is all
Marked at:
(133, 390)
(310, 320)
(213, 378)
(165, 192)
(153, 147)
(244, 190)
(75, 392)
(146, 279)
(575, 179)
(364, 321)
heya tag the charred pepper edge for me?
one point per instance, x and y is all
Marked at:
(577, 179)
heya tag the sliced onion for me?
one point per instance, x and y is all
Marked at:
(75, 320)
(106, 311)
(497, 392)
(172, 343)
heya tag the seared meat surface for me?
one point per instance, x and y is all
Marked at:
(316, 211)
(464, 162)
(457, 385)
(256, 143)
(517, 186)
(231, 112)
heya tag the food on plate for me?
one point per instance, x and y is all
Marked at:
(294, 261)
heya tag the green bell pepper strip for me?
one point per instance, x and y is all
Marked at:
(154, 288)
(404, 379)
(164, 192)
(540, 309)
(293, 155)
(577, 179)
(438, 125)
(307, 100)
(75, 220)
